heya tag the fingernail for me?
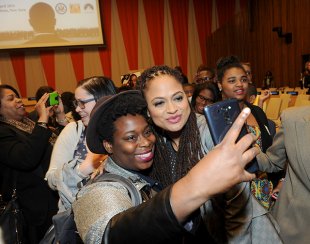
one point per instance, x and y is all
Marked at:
(246, 111)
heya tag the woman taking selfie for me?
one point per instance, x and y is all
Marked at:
(24, 158)
(119, 128)
(182, 140)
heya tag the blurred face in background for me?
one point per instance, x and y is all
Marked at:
(84, 104)
(11, 106)
(234, 84)
(204, 98)
(133, 80)
(248, 71)
(188, 89)
(204, 76)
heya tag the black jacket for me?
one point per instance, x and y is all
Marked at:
(262, 121)
(27, 156)
(152, 222)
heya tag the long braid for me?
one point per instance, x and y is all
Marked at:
(189, 151)
(161, 166)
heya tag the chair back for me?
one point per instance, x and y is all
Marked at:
(300, 98)
(286, 98)
(273, 108)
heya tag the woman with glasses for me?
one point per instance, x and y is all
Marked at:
(71, 163)
(204, 94)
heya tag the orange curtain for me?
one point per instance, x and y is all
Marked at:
(203, 15)
(78, 63)
(105, 53)
(179, 16)
(128, 16)
(154, 13)
(18, 63)
(48, 63)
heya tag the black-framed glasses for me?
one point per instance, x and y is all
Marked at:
(203, 80)
(81, 103)
(205, 99)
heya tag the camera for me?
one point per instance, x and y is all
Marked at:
(53, 99)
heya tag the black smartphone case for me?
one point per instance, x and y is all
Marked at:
(220, 116)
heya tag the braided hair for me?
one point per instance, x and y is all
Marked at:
(189, 151)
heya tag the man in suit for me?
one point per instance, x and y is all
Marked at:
(292, 209)
(43, 21)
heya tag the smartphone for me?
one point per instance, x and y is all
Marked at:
(220, 116)
(53, 99)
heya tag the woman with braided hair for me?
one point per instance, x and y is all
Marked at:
(183, 138)
(178, 137)
(102, 212)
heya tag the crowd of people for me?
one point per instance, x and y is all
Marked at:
(153, 132)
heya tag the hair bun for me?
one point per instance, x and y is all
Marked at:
(224, 61)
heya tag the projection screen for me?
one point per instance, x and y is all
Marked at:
(49, 23)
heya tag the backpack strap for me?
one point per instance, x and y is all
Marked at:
(134, 193)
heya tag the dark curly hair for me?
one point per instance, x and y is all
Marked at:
(133, 104)
(225, 63)
(189, 151)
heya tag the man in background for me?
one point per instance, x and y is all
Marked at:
(292, 209)
(43, 21)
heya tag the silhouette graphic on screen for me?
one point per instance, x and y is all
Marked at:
(43, 21)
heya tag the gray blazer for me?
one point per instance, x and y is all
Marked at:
(236, 217)
(292, 209)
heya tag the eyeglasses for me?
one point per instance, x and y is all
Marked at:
(205, 99)
(203, 80)
(81, 103)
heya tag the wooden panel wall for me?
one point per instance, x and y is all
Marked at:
(257, 43)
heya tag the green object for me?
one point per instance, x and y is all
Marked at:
(53, 99)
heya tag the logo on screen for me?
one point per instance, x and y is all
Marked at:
(88, 7)
(61, 8)
(75, 8)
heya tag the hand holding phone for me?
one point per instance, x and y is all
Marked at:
(220, 117)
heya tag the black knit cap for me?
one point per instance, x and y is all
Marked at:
(92, 136)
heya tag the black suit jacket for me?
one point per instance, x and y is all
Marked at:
(27, 156)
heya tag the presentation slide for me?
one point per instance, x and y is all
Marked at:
(49, 23)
